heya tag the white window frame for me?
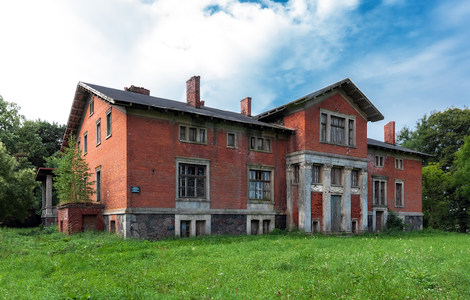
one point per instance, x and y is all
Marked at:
(349, 134)
(85, 142)
(91, 106)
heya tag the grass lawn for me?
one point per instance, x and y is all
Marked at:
(44, 264)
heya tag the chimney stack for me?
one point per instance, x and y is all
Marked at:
(389, 133)
(245, 106)
(193, 91)
(138, 90)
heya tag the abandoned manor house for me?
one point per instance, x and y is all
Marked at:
(170, 168)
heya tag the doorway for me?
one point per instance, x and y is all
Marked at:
(335, 213)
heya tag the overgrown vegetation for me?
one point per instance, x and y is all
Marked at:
(44, 264)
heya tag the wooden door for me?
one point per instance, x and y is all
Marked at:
(335, 213)
(379, 220)
(89, 222)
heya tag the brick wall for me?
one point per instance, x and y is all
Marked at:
(317, 205)
(71, 219)
(307, 124)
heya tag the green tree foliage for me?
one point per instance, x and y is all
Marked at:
(16, 188)
(10, 122)
(461, 184)
(441, 134)
(72, 176)
(436, 197)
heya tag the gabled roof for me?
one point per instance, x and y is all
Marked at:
(359, 99)
(382, 145)
(140, 101)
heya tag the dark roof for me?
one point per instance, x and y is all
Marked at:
(131, 99)
(121, 97)
(364, 104)
(42, 173)
(382, 145)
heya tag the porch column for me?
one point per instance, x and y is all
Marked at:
(346, 202)
(305, 181)
(43, 202)
(289, 212)
(326, 218)
(364, 200)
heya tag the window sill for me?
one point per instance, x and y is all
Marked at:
(342, 145)
(197, 143)
(399, 206)
(263, 151)
(91, 114)
(231, 147)
(98, 144)
(192, 200)
(107, 137)
(259, 201)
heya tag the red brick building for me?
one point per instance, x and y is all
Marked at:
(165, 168)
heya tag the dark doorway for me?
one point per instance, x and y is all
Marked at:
(89, 222)
(335, 213)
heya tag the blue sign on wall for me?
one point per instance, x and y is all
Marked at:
(135, 189)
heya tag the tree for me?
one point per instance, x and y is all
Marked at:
(16, 188)
(436, 201)
(461, 176)
(10, 122)
(72, 176)
(441, 134)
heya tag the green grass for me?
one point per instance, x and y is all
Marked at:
(44, 264)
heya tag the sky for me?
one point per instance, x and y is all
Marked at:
(409, 58)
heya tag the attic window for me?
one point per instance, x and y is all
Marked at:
(337, 129)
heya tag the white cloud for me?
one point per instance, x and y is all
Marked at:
(51, 45)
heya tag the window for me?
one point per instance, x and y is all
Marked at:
(335, 176)
(85, 142)
(109, 130)
(98, 132)
(191, 181)
(380, 192)
(337, 129)
(260, 185)
(92, 107)
(192, 134)
(399, 163)
(316, 174)
(260, 144)
(399, 194)
(379, 161)
(98, 185)
(78, 145)
(355, 178)
(231, 140)
(296, 174)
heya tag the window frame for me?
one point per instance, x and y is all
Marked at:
(187, 136)
(381, 198)
(316, 173)
(91, 107)
(98, 184)
(402, 194)
(196, 162)
(85, 142)
(98, 132)
(355, 174)
(330, 122)
(266, 144)
(399, 163)
(234, 140)
(260, 168)
(109, 123)
(379, 161)
(339, 175)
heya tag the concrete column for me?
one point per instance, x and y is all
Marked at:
(346, 201)
(43, 203)
(305, 181)
(289, 212)
(49, 191)
(364, 206)
(326, 218)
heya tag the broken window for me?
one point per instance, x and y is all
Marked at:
(192, 134)
(260, 185)
(192, 181)
(337, 129)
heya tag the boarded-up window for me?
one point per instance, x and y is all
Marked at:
(316, 174)
(337, 130)
(260, 185)
(336, 176)
(89, 222)
(399, 194)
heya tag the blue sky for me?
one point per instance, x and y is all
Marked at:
(408, 57)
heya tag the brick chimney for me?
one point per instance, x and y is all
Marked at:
(193, 91)
(138, 90)
(389, 133)
(245, 106)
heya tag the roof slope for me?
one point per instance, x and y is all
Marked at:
(387, 146)
(364, 104)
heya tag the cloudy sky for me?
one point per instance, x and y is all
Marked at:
(408, 57)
